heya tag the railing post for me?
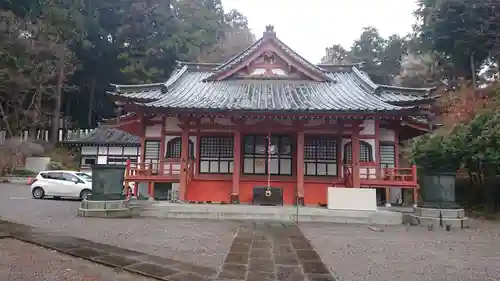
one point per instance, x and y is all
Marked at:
(414, 173)
(125, 178)
(415, 180)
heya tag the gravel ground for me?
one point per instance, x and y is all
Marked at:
(354, 253)
(414, 253)
(24, 262)
(200, 242)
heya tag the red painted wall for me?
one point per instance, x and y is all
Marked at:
(220, 190)
(209, 190)
(315, 193)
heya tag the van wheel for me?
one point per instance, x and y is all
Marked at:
(84, 195)
(38, 193)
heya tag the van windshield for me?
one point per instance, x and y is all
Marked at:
(85, 176)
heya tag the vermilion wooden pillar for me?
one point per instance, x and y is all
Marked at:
(162, 146)
(184, 164)
(142, 120)
(235, 193)
(356, 182)
(300, 168)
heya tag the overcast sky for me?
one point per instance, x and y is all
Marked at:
(309, 26)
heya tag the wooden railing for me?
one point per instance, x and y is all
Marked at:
(374, 173)
(165, 168)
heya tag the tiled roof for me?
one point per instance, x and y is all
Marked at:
(105, 136)
(342, 88)
(401, 95)
(255, 46)
(388, 94)
(190, 92)
(186, 89)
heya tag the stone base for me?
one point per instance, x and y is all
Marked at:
(271, 213)
(299, 201)
(437, 213)
(436, 223)
(123, 213)
(107, 209)
(439, 205)
(436, 218)
(235, 199)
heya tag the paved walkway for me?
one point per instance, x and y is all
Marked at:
(269, 251)
(20, 261)
(144, 264)
(261, 251)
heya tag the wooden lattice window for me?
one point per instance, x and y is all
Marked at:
(365, 152)
(152, 153)
(387, 155)
(320, 156)
(255, 156)
(216, 155)
(174, 147)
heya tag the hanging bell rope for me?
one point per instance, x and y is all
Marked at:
(268, 192)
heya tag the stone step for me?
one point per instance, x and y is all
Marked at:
(106, 213)
(436, 213)
(436, 222)
(277, 214)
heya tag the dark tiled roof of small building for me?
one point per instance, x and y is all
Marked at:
(105, 136)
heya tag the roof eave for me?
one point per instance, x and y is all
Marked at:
(419, 101)
(92, 143)
(407, 89)
(122, 98)
(401, 111)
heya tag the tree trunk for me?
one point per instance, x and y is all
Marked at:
(91, 103)
(56, 113)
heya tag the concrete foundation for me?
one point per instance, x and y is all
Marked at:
(108, 209)
(436, 218)
(271, 213)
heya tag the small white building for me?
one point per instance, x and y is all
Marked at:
(105, 146)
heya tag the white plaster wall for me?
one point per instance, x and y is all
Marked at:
(153, 131)
(130, 150)
(223, 121)
(218, 121)
(102, 159)
(172, 124)
(89, 150)
(115, 150)
(387, 135)
(368, 127)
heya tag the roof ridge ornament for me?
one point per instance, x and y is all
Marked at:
(269, 31)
